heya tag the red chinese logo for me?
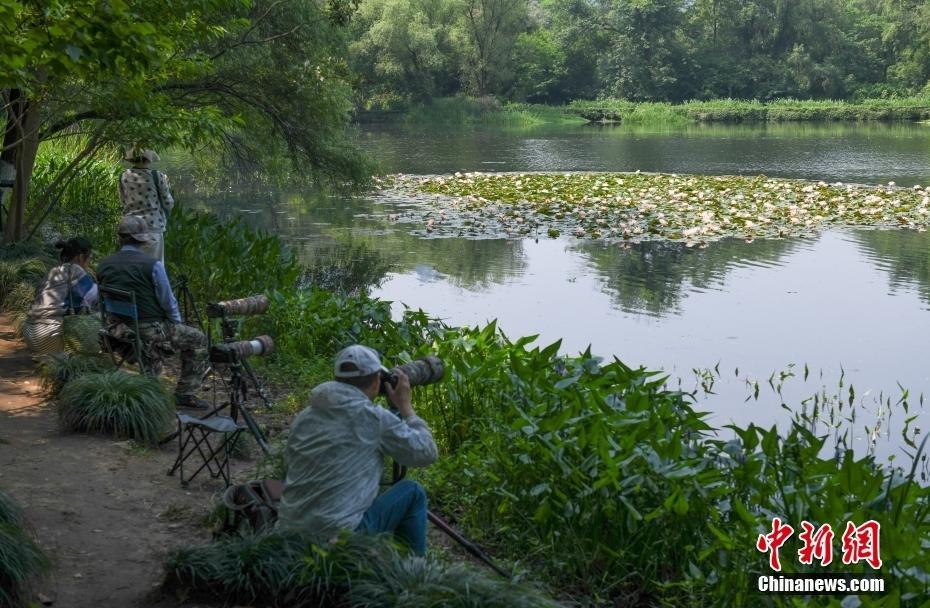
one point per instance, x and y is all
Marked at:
(817, 544)
(773, 541)
(862, 544)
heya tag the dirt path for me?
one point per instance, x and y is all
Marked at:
(103, 510)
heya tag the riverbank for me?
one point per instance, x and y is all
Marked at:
(568, 469)
(633, 207)
(464, 111)
(739, 111)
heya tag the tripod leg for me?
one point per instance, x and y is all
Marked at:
(466, 544)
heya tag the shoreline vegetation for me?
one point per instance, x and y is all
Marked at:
(462, 111)
(633, 207)
(569, 469)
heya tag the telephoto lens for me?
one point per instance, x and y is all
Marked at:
(261, 346)
(252, 305)
(426, 370)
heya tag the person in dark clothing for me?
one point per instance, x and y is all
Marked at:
(131, 269)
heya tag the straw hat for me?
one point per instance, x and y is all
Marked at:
(135, 154)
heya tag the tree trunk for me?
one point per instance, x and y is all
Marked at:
(24, 149)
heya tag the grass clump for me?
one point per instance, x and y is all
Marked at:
(273, 569)
(58, 369)
(21, 561)
(116, 402)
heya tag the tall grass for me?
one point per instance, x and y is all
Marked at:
(21, 561)
(117, 402)
(285, 570)
(22, 269)
(58, 369)
(89, 204)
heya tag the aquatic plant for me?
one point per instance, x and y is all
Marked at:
(117, 402)
(241, 261)
(638, 206)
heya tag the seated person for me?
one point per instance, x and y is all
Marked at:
(129, 269)
(335, 457)
(68, 289)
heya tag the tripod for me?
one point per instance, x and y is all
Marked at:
(241, 378)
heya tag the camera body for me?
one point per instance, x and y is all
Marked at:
(426, 370)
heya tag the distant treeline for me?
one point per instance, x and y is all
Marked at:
(555, 51)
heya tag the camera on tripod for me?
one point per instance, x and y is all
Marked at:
(231, 352)
(425, 370)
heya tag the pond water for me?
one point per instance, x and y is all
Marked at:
(852, 307)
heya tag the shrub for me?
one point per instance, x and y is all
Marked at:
(20, 559)
(60, 368)
(240, 261)
(81, 334)
(116, 402)
(285, 570)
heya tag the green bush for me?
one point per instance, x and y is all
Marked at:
(21, 561)
(285, 570)
(116, 402)
(224, 260)
(58, 369)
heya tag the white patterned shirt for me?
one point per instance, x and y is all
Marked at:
(144, 192)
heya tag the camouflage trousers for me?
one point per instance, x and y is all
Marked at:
(161, 339)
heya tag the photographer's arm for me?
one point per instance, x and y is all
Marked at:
(164, 294)
(406, 439)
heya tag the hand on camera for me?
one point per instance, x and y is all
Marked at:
(400, 395)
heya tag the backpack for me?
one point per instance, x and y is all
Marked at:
(254, 502)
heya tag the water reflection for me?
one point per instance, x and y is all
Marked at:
(902, 255)
(317, 224)
(863, 153)
(653, 277)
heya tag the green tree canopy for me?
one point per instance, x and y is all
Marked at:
(247, 79)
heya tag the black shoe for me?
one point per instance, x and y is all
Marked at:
(191, 402)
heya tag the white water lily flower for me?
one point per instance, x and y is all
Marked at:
(689, 232)
(707, 217)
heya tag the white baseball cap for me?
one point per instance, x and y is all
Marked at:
(357, 361)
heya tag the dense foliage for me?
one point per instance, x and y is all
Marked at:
(284, 570)
(553, 51)
(595, 476)
(249, 80)
(21, 561)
